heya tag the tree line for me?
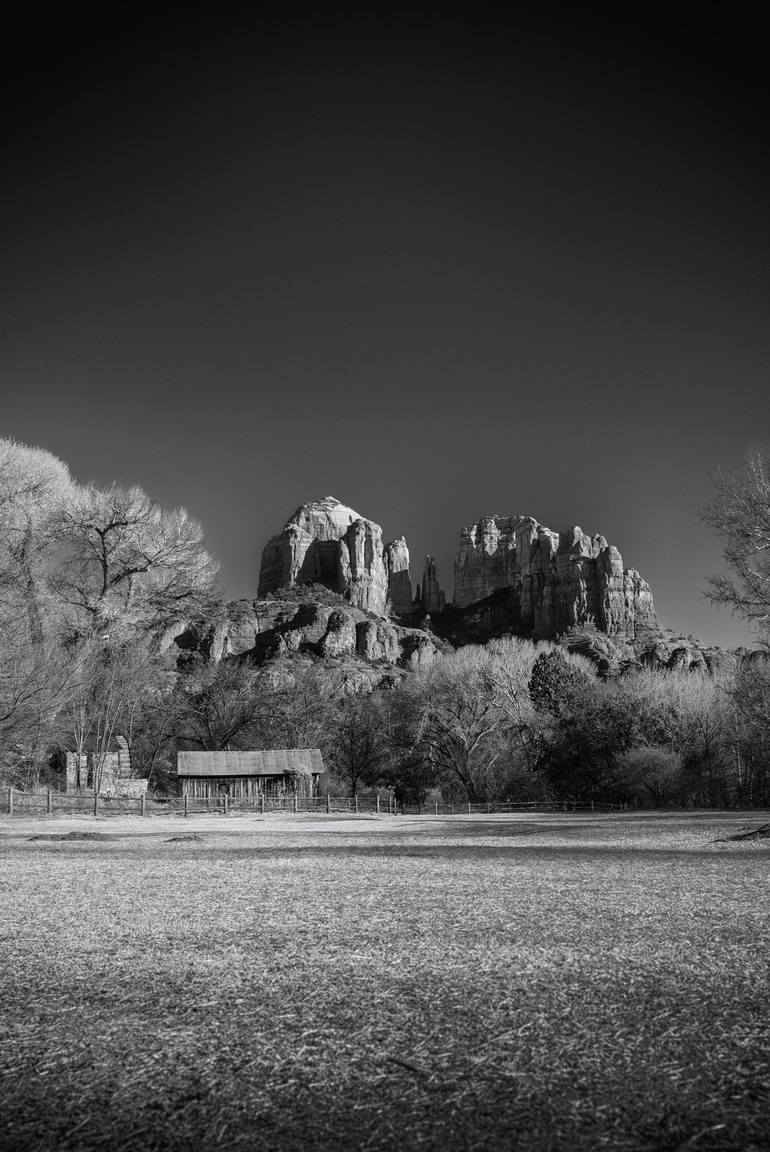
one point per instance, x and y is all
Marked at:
(95, 583)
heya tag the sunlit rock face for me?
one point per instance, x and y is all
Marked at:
(543, 583)
(328, 543)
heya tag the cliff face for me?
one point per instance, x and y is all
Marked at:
(328, 543)
(399, 579)
(514, 574)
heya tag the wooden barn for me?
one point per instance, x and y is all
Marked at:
(247, 775)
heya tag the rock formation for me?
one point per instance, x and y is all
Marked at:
(328, 543)
(655, 649)
(399, 579)
(512, 574)
(262, 629)
(432, 599)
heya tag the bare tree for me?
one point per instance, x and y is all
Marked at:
(740, 513)
(127, 563)
(461, 719)
(36, 684)
(357, 745)
(34, 487)
(505, 677)
(218, 707)
(749, 705)
(300, 699)
(114, 685)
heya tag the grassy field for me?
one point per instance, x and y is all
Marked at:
(555, 983)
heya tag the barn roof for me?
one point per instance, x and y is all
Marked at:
(274, 762)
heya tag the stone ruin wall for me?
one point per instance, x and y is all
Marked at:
(116, 779)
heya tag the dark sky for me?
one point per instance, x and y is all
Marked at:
(436, 267)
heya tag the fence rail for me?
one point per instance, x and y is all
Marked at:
(17, 803)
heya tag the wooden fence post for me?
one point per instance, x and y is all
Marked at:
(295, 803)
(469, 807)
(328, 803)
(10, 801)
(185, 803)
(437, 807)
(227, 804)
(452, 808)
(355, 804)
(144, 803)
(96, 802)
(48, 801)
(262, 803)
(378, 803)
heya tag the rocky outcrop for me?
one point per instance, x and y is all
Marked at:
(329, 544)
(667, 649)
(263, 629)
(662, 650)
(512, 574)
(379, 640)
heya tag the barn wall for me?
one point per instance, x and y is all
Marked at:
(246, 787)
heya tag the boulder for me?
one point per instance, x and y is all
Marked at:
(378, 640)
(340, 636)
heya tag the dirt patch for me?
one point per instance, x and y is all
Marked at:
(76, 836)
(761, 833)
(184, 839)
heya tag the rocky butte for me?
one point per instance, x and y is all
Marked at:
(328, 543)
(329, 586)
(512, 574)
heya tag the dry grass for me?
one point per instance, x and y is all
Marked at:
(561, 983)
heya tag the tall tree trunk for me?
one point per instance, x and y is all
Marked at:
(34, 615)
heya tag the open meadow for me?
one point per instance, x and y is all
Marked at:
(551, 982)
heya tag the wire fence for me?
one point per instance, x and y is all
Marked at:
(14, 802)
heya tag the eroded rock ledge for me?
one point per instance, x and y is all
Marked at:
(264, 629)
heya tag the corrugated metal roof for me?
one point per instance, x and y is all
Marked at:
(274, 762)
